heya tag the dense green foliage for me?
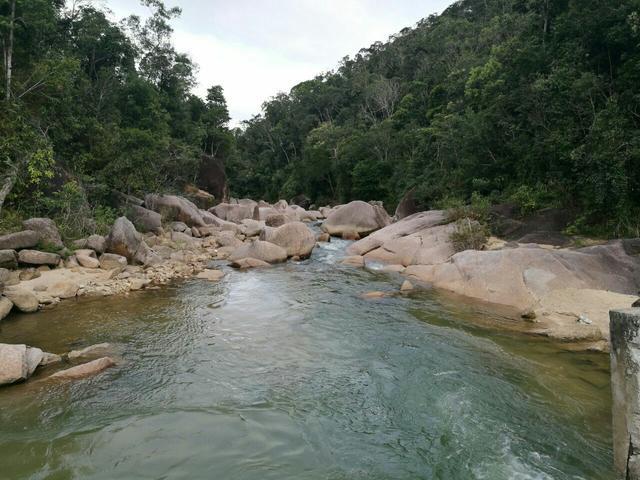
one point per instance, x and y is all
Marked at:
(536, 102)
(96, 106)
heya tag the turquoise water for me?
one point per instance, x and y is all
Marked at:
(289, 373)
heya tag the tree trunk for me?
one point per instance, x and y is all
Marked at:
(8, 54)
(7, 185)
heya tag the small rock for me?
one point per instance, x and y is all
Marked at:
(85, 370)
(138, 283)
(529, 315)
(49, 358)
(584, 320)
(33, 358)
(323, 237)
(636, 304)
(97, 350)
(406, 286)
(211, 275)
(373, 295)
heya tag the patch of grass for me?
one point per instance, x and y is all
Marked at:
(10, 221)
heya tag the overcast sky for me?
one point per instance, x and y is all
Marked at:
(257, 48)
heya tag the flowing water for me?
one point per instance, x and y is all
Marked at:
(288, 373)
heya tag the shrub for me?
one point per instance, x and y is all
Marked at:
(468, 235)
(477, 209)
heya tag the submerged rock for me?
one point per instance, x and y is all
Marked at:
(211, 275)
(85, 370)
(97, 350)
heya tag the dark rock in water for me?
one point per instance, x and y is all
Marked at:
(546, 238)
(301, 200)
(407, 206)
(213, 178)
(636, 304)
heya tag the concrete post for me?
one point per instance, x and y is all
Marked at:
(625, 388)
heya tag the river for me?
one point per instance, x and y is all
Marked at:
(288, 373)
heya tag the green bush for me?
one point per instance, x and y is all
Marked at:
(469, 235)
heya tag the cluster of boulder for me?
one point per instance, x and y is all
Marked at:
(20, 362)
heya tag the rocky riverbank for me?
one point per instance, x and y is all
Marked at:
(562, 293)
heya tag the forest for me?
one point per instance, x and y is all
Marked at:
(530, 102)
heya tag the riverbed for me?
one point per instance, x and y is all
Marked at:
(288, 372)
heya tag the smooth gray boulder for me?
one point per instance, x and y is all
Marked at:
(360, 217)
(295, 237)
(47, 230)
(145, 220)
(260, 250)
(125, 240)
(173, 207)
(35, 257)
(23, 299)
(19, 240)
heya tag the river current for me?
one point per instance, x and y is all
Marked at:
(288, 373)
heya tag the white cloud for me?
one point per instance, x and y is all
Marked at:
(257, 48)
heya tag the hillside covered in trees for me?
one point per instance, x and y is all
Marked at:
(90, 107)
(530, 102)
(534, 102)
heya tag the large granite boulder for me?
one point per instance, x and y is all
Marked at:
(8, 259)
(22, 298)
(145, 220)
(125, 240)
(260, 250)
(47, 230)
(19, 240)
(561, 286)
(173, 207)
(360, 217)
(35, 257)
(18, 362)
(236, 212)
(252, 228)
(295, 237)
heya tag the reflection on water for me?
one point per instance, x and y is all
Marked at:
(288, 373)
